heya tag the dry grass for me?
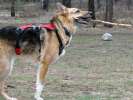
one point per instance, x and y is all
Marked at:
(92, 69)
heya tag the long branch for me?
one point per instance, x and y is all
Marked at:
(111, 23)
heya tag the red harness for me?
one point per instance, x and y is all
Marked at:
(24, 27)
(48, 26)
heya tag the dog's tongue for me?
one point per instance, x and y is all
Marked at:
(18, 51)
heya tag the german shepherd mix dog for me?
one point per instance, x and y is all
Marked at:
(47, 41)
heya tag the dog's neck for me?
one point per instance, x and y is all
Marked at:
(66, 24)
(63, 32)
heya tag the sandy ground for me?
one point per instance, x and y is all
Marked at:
(92, 69)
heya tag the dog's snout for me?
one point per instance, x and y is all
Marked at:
(86, 16)
(89, 13)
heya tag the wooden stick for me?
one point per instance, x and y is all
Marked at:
(111, 23)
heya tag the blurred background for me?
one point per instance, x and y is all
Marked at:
(110, 10)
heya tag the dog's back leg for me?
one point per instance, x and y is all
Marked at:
(3, 93)
(4, 72)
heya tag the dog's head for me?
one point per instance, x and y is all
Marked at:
(72, 14)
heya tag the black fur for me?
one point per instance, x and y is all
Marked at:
(31, 35)
(15, 34)
(10, 33)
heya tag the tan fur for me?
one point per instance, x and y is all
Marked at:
(6, 53)
(49, 50)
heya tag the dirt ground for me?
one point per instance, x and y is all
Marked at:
(92, 69)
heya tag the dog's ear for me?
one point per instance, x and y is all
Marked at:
(60, 7)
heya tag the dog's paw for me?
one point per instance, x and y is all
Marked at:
(13, 98)
(39, 98)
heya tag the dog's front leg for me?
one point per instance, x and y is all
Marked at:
(43, 68)
(11, 65)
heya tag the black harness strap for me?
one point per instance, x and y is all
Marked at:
(20, 32)
(61, 46)
(68, 33)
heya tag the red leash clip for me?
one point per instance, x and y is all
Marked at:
(18, 51)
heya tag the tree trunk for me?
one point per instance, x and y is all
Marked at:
(129, 4)
(98, 4)
(45, 4)
(109, 12)
(91, 8)
(80, 3)
(116, 1)
(13, 8)
(67, 3)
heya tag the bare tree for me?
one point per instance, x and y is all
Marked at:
(67, 3)
(80, 3)
(13, 8)
(116, 1)
(45, 4)
(91, 8)
(109, 12)
(129, 4)
(98, 4)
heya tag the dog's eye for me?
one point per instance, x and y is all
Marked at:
(77, 11)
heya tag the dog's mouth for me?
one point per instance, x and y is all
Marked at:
(83, 19)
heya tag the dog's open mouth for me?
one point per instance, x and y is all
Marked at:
(83, 19)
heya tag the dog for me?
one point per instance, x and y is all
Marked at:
(56, 41)
(47, 41)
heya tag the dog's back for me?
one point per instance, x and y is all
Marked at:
(9, 33)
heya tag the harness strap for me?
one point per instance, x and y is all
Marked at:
(61, 46)
(67, 32)
(50, 27)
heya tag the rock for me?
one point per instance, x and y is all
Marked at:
(107, 37)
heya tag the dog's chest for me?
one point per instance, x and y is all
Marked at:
(69, 41)
(58, 56)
